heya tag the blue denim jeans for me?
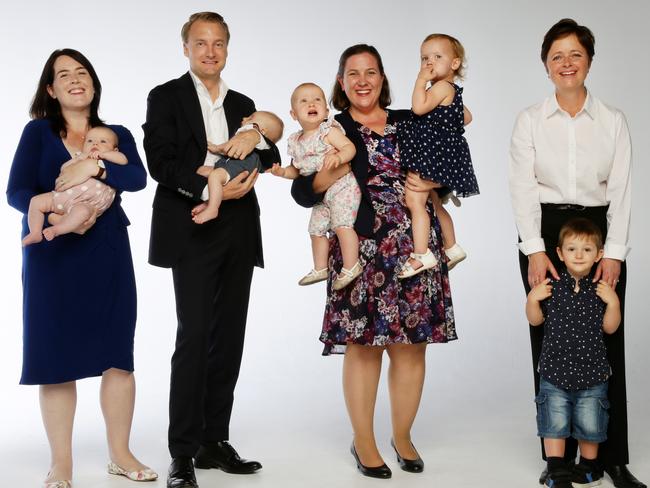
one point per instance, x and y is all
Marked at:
(581, 414)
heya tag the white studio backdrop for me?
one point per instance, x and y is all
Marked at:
(482, 382)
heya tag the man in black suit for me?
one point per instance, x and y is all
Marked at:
(212, 264)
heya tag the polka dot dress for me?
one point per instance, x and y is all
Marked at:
(574, 356)
(433, 146)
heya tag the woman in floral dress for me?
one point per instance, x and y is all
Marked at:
(378, 311)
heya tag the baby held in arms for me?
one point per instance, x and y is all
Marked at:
(266, 123)
(77, 204)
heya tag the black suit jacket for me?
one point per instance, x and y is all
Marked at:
(175, 143)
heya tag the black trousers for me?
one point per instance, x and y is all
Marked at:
(615, 449)
(212, 285)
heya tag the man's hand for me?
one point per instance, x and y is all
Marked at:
(240, 145)
(608, 270)
(240, 185)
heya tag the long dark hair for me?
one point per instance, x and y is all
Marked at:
(46, 107)
(339, 99)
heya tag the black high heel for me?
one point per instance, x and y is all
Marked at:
(410, 465)
(382, 471)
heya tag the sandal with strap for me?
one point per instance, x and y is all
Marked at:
(427, 259)
(314, 276)
(347, 276)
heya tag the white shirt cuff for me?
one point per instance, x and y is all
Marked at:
(615, 251)
(532, 246)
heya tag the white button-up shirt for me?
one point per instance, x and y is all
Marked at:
(581, 160)
(214, 121)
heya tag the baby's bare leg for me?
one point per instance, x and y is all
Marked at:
(39, 205)
(70, 222)
(446, 224)
(216, 180)
(349, 242)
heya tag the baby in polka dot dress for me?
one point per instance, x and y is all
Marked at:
(77, 204)
(432, 147)
(573, 367)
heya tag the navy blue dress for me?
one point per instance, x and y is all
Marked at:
(79, 297)
(433, 146)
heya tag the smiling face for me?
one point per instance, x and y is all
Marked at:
(72, 85)
(100, 139)
(438, 54)
(362, 81)
(579, 253)
(567, 63)
(308, 106)
(207, 49)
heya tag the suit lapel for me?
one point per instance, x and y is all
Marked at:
(192, 109)
(233, 114)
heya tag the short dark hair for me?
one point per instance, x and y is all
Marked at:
(45, 107)
(564, 28)
(205, 17)
(339, 99)
(581, 227)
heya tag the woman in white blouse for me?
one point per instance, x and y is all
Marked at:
(570, 156)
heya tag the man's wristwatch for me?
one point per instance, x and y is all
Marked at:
(101, 168)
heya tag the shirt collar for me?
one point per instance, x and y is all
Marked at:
(203, 91)
(551, 107)
(568, 280)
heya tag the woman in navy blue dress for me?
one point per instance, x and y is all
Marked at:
(79, 297)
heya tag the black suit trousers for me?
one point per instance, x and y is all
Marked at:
(615, 449)
(212, 284)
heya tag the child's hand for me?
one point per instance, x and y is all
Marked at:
(542, 291)
(213, 148)
(331, 161)
(606, 293)
(95, 155)
(277, 170)
(426, 73)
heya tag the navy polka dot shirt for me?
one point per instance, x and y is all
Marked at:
(573, 356)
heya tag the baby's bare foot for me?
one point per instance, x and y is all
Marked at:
(49, 233)
(207, 214)
(199, 208)
(32, 238)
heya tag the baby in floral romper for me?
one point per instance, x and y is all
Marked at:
(312, 149)
(76, 204)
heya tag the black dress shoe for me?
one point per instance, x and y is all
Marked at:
(181, 473)
(382, 471)
(410, 465)
(221, 455)
(622, 478)
(543, 476)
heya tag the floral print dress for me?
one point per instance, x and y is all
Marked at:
(378, 309)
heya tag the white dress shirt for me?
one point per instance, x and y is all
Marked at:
(214, 121)
(582, 160)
